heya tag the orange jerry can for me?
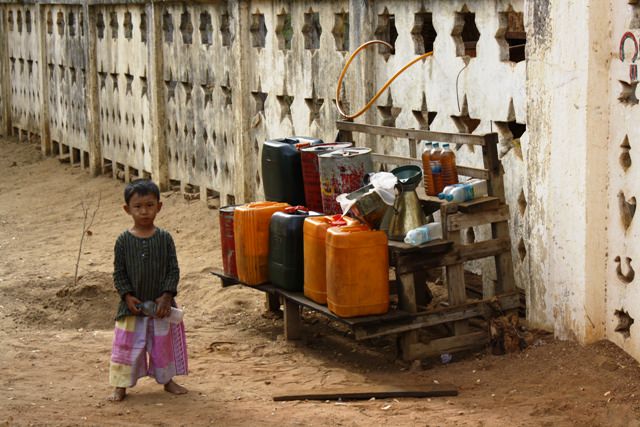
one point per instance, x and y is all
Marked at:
(357, 271)
(251, 232)
(315, 253)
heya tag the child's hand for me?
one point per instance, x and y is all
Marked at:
(164, 305)
(131, 303)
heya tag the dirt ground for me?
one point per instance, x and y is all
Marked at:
(56, 336)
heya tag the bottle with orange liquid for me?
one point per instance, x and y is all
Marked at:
(448, 164)
(426, 169)
(436, 168)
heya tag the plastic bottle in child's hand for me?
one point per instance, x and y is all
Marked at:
(424, 233)
(149, 308)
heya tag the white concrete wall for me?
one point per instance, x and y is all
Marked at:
(622, 293)
(568, 114)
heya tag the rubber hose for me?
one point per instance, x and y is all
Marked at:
(383, 88)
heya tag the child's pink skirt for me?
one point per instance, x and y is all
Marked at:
(137, 336)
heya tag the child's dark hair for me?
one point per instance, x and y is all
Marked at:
(141, 187)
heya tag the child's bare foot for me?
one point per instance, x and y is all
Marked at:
(174, 388)
(119, 393)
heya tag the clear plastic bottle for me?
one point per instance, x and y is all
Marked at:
(468, 191)
(426, 168)
(448, 189)
(424, 233)
(436, 169)
(149, 308)
(448, 162)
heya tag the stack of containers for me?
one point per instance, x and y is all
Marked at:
(357, 271)
(315, 259)
(282, 171)
(251, 230)
(311, 172)
(286, 251)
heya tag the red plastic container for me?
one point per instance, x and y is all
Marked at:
(227, 241)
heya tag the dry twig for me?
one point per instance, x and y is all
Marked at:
(86, 226)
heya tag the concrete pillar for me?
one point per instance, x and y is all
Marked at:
(92, 94)
(45, 132)
(567, 89)
(360, 81)
(242, 102)
(5, 86)
(157, 113)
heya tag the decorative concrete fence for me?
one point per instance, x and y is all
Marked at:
(187, 92)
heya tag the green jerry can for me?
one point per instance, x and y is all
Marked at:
(286, 257)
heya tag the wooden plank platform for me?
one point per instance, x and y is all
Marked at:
(299, 299)
(352, 322)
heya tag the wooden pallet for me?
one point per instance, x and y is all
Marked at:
(395, 321)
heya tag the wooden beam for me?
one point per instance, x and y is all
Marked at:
(402, 161)
(461, 253)
(451, 344)
(272, 302)
(461, 221)
(439, 316)
(454, 273)
(407, 302)
(368, 392)
(483, 249)
(505, 280)
(292, 320)
(453, 138)
(480, 204)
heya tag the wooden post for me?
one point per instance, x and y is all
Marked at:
(505, 280)
(45, 131)
(5, 74)
(272, 303)
(159, 161)
(454, 273)
(407, 302)
(92, 95)
(292, 321)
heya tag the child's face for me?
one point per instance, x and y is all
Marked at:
(143, 209)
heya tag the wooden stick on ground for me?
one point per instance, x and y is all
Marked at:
(367, 392)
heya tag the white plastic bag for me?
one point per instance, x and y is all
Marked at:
(384, 184)
(345, 203)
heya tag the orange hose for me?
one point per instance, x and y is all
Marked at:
(382, 89)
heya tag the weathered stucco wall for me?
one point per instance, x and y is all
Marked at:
(622, 292)
(568, 115)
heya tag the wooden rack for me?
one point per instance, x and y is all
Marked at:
(411, 264)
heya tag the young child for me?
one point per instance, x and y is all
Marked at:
(146, 268)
